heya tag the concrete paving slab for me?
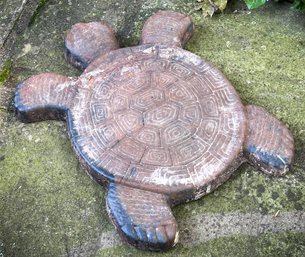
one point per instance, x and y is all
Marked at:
(50, 207)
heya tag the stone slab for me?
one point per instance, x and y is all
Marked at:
(15, 16)
(49, 207)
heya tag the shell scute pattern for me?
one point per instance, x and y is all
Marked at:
(154, 123)
(158, 109)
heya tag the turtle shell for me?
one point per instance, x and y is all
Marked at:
(156, 118)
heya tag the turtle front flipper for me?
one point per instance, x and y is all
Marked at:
(44, 96)
(167, 28)
(142, 218)
(86, 41)
(269, 145)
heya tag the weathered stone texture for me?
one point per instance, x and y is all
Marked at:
(15, 16)
(49, 207)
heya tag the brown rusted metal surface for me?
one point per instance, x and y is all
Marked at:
(154, 123)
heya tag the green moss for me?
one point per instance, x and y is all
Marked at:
(5, 73)
(266, 245)
(262, 56)
(264, 63)
(39, 8)
(49, 206)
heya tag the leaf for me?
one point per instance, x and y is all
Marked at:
(252, 4)
(209, 7)
(221, 4)
(298, 5)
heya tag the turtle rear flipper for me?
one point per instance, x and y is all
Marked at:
(143, 218)
(86, 41)
(269, 145)
(44, 96)
(167, 28)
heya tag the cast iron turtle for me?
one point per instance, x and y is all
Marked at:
(155, 124)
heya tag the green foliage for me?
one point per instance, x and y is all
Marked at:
(252, 4)
(209, 7)
(299, 4)
(221, 4)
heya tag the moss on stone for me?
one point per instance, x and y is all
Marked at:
(5, 72)
(49, 206)
(262, 56)
(265, 245)
(40, 5)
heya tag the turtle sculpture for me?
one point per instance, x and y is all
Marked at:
(155, 124)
